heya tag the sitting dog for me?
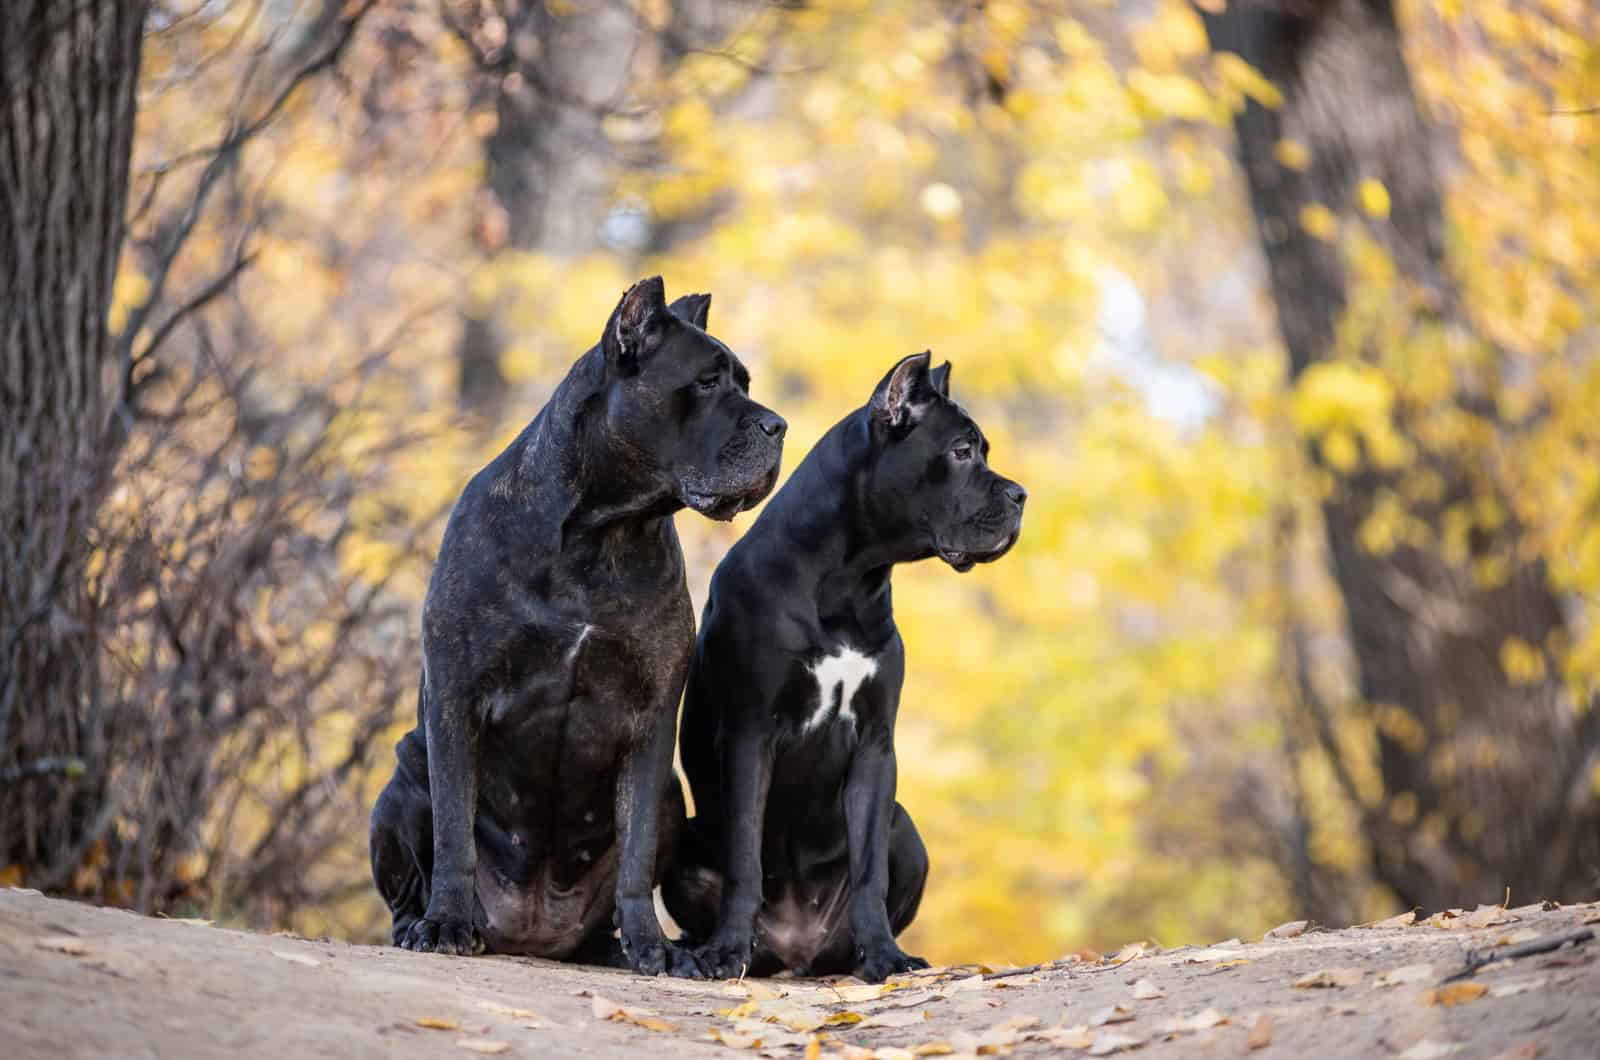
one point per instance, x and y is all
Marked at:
(534, 804)
(799, 856)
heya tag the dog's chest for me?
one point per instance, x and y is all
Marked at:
(838, 675)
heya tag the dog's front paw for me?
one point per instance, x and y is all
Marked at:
(655, 956)
(880, 962)
(443, 935)
(724, 958)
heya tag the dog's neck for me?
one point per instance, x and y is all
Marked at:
(564, 462)
(850, 559)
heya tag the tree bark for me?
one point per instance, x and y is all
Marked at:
(68, 73)
(1493, 790)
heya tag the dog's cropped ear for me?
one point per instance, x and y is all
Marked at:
(898, 401)
(635, 325)
(694, 308)
(940, 378)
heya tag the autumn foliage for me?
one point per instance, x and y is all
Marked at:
(1152, 718)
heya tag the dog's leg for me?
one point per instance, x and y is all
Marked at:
(747, 780)
(641, 788)
(868, 813)
(452, 724)
(908, 870)
(401, 846)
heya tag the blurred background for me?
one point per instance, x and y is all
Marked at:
(1284, 312)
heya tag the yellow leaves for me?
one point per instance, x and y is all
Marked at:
(1374, 198)
(1319, 221)
(1401, 726)
(1523, 663)
(606, 1009)
(127, 293)
(1455, 994)
(1245, 80)
(1333, 394)
(1292, 154)
(1173, 96)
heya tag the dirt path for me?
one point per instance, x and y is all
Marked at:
(80, 981)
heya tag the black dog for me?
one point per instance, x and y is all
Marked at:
(798, 855)
(534, 804)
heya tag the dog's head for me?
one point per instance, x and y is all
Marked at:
(930, 479)
(679, 403)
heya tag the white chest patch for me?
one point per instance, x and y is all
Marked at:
(838, 677)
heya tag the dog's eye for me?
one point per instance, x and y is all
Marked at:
(962, 452)
(709, 382)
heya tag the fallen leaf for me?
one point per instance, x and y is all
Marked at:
(296, 958)
(1220, 965)
(971, 982)
(1430, 1050)
(1519, 987)
(755, 989)
(1075, 1037)
(1455, 994)
(735, 1040)
(1406, 973)
(1212, 953)
(1109, 1042)
(1114, 1014)
(1329, 977)
(1017, 1023)
(1402, 920)
(1517, 937)
(1200, 1021)
(606, 1009)
(1145, 990)
(814, 1048)
(1489, 916)
(892, 1052)
(1525, 1051)
(521, 1015)
(72, 947)
(740, 1011)
(482, 1045)
(842, 1019)
(857, 992)
(1293, 929)
(933, 1049)
(1260, 1032)
(1592, 918)
(1448, 919)
(437, 1024)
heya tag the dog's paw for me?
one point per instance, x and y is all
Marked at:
(879, 963)
(724, 959)
(658, 956)
(456, 937)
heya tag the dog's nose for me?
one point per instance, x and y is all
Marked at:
(1016, 494)
(772, 425)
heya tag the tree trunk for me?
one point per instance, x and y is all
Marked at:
(550, 79)
(1489, 788)
(68, 73)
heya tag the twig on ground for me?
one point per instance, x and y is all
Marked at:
(1477, 959)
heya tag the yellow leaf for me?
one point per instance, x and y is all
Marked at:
(1455, 994)
(1374, 198)
(1319, 221)
(1242, 77)
(437, 1024)
(1292, 154)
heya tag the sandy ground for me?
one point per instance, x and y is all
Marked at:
(81, 981)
